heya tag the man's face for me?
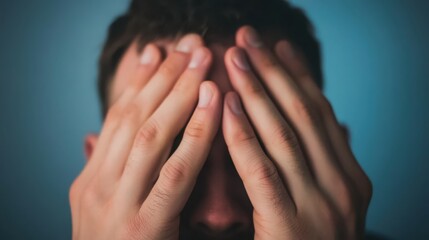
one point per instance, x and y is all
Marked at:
(300, 175)
(219, 206)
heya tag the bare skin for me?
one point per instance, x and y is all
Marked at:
(280, 132)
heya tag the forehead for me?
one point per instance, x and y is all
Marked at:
(130, 62)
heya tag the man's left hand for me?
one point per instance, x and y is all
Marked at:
(288, 148)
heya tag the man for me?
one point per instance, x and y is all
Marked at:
(256, 152)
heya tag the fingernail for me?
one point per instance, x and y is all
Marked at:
(147, 55)
(253, 39)
(240, 60)
(185, 44)
(234, 103)
(197, 59)
(206, 95)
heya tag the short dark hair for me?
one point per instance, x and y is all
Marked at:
(215, 20)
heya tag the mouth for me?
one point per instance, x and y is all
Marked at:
(188, 234)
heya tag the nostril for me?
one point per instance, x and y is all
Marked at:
(224, 231)
(234, 228)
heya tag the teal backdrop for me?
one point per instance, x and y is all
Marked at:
(376, 64)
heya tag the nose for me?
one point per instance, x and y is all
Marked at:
(219, 223)
(221, 212)
(218, 207)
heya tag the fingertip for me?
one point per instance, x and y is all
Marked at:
(209, 54)
(232, 115)
(208, 112)
(205, 95)
(233, 103)
(249, 38)
(201, 56)
(225, 104)
(189, 43)
(150, 55)
(213, 87)
(228, 54)
(209, 95)
(240, 35)
(158, 53)
(236, 57)
(196, 38)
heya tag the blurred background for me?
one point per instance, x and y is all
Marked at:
(376, 63)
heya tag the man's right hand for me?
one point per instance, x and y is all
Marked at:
(131, 188)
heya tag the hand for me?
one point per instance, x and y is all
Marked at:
(129, 190)
(302, 179)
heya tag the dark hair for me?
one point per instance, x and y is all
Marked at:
(215, 20)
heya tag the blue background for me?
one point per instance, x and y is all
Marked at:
(376, 67)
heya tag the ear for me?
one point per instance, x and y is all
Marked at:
(89, 145)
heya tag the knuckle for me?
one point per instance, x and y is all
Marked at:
(137, 84)
(136, 228)
(254, 90)
(241, 136)
(131, 164)
(265, 173)
(367, 190)
(195, 130)
(145, 226)
(284, 136)
(270, 62)
(278, 204)
(167, 69)
(113, 115)
(329, 217)
(148, 133)
(133, 87)
(269, 182)
(74, 191)
(130, 114)
(346, 200)
(183, 86)
(159, 201)
(144, 112)
(175, 172)
(326, 106)
(335, 226)
(90, 199)
(304, 111)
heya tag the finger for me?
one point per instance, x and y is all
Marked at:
(295, 63)
(177, 177)
(150, 61)
(147, 65)
(294, 105)
(144, 71)
(261, 179)
(277, 136)
(154, 139)
(137, 110)
(169, 72)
